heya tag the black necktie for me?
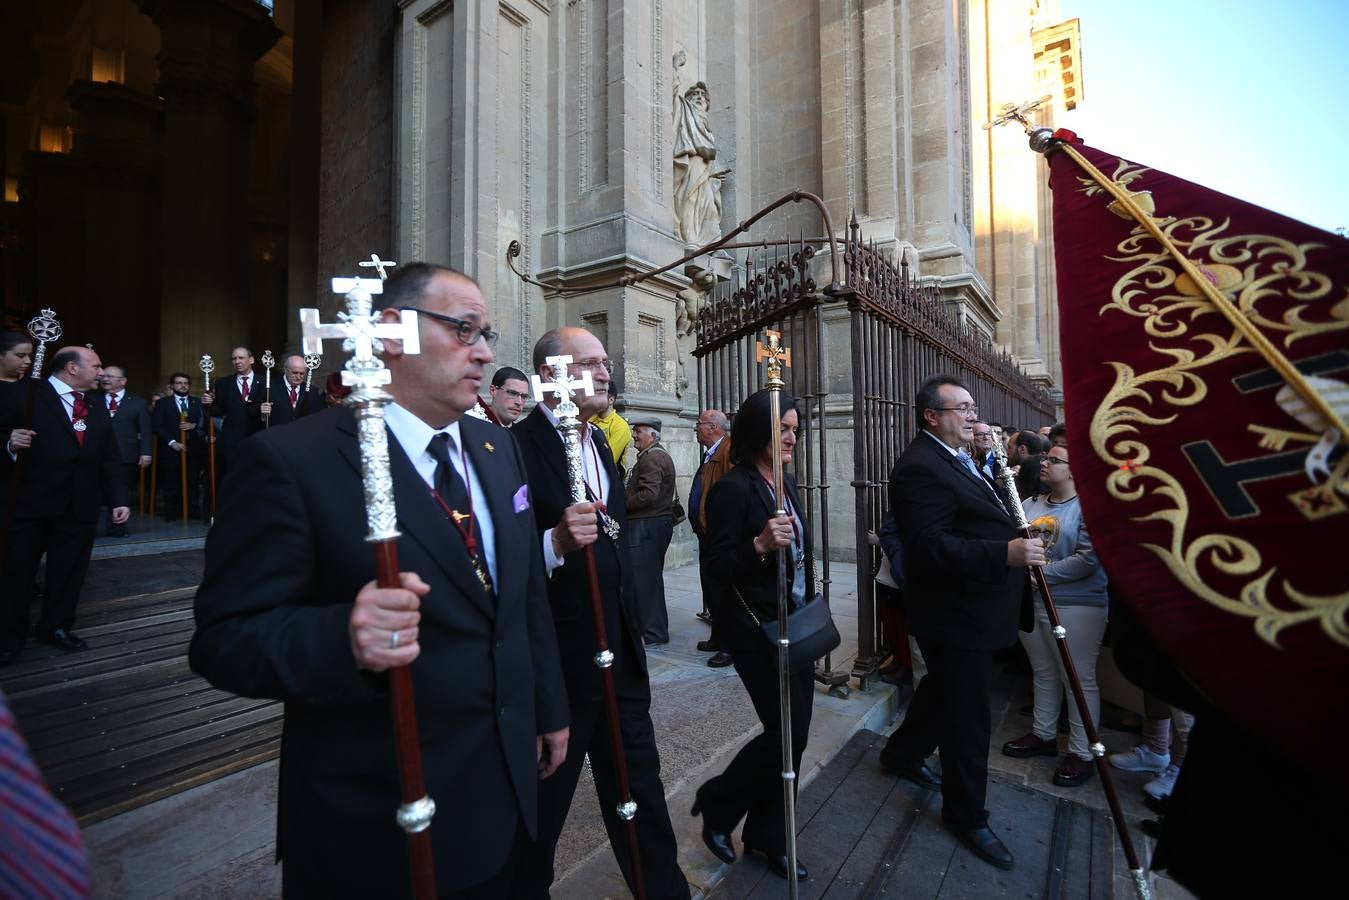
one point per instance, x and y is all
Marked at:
(451, 489)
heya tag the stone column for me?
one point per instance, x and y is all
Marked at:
(117, 138)
(206, 57)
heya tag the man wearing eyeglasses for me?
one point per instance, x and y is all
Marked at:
(509, 391)
(296, 616)
(964, 574)
(564, 528)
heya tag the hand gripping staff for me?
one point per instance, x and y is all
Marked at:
(1037, 573)
(363, 336)
(569, 422)
(778, 356)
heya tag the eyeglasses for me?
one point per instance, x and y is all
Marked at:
(595, 365)
(1053, 461)
(969, 412)
(467, 332)
(510, 393)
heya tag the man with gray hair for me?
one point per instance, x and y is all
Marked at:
(650, 495)
(713, 434)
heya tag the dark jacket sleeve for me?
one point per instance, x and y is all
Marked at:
(925, 506)
(731, 530)
(260, 629)
(110, 472)
(551, 707)
(144, 430)
(892, 548)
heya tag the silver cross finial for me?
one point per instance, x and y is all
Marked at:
(363, 336)
(379, 265)
(1020, 114)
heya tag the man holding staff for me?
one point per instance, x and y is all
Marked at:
(565, 528)
(964, 573)
(299, 618)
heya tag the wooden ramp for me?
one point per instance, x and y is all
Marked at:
(125, 722)
(866, 834)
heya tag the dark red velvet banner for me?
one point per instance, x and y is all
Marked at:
(1217, 499)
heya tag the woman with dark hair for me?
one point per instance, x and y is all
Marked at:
(744, 539)
(16, 355)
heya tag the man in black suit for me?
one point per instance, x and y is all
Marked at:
(130, 417)
(240, 401)
(297, 617)
(290, 400)
(179, 422)
(964, 572)
(71, 465)
(565, 528)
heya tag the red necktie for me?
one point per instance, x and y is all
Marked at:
(112, 403)
(42, 854)
(243, 388)
(294, 396)
(78, 413)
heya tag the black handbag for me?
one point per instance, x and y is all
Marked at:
(810, 630)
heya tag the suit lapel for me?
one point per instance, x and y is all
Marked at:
(56, 407)
(420, 517)
(554, 453)
(976, 482)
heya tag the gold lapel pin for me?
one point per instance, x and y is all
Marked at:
(489, 447)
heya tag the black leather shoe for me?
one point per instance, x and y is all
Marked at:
(719, 660)
(719, 842)
(63, 639)
(917, 772)
(705, 616)
(985, 845)
(1029, 745)
(777, 863)
(708, 646)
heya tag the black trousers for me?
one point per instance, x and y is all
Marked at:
(648, 539)
(712, 596)
(67, 542)
(950, 712)
(590, 735)
(751, 786)
(170, 479)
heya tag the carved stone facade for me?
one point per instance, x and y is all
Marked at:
(446, 129)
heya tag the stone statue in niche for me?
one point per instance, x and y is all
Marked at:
(697, 186)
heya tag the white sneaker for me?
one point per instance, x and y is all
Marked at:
(1161, 787)
(1141, 759)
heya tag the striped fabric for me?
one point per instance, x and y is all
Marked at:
(41, 851)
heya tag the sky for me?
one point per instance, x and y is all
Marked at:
(1246, 97)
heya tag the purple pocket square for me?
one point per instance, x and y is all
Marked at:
(521, 499)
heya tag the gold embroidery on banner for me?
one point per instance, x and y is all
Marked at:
(1257, 272)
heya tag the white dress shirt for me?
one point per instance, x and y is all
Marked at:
(414, 436)
(595, 474)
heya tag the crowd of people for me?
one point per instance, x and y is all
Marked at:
(494, 611)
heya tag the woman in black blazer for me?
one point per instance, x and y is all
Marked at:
(744, 540)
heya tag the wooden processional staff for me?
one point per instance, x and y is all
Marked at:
(570, 424)
(267, 362)
(363, 335)
(778, 356)
(207, 366)
(1037, 574)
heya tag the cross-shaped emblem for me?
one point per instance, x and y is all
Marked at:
(362, 336)
(776, 354)
(44, 329)
(564, 386)
(379, 265)
(311, 362)
(1019, 114)
(207, 366)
